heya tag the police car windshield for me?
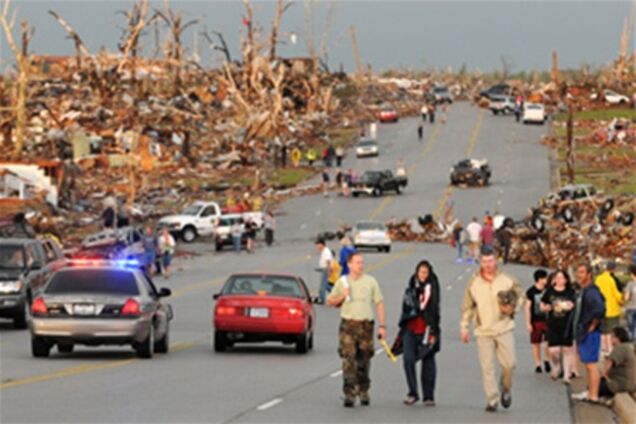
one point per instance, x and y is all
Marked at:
(11, 257)
(264, 286)
(93, 281)
(370, 226)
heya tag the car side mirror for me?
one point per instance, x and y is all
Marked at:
(216, 296)
(165, 292)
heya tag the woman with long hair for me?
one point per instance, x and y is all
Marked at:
(558, 301)
(420, 329)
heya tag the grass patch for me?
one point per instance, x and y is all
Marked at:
(599, 114)
(342, 136)
(289, 176)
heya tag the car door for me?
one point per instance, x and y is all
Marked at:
(162, 313)
(205, 220)
(37, 271)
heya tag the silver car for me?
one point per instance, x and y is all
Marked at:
(100, 303)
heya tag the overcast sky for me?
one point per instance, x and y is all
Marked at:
(390, 33)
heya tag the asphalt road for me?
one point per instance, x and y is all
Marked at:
(271, 383)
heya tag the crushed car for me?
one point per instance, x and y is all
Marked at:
(471, 172)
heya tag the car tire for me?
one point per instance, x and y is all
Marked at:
(40, 348)
(628, 219)
(387, 249)
(310, 344)
(163, 345)
(21, 317)
(302, 343)
(398, 190)
(377, 192)
(146, 349)
(65, 347)
(355, 194)
(218, 247)
(220, 341)
(188, 234)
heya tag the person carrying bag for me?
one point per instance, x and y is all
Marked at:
(419, 336)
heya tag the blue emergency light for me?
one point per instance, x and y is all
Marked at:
(119, 263)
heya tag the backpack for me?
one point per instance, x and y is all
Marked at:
(334, 272)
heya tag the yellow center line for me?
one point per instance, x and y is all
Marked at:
(378, 210)
(469, 151)
(392, 258)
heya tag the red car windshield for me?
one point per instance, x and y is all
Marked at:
(264, 286)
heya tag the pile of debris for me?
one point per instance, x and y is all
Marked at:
(424, 229)
(563, 232)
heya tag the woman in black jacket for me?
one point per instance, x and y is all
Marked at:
(420, 329)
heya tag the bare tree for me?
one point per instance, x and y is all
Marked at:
(214, 46)
(506, 66)
(281, 8)
(177, 27)
(136, 21)
(80, 47)
(23, 62)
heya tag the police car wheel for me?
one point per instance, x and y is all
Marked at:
(65, 347)
(40, 348)
(146, 349)
(163, 345)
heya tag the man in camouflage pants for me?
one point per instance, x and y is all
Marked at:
(355, 295)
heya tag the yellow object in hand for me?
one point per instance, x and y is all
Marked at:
(387, 349)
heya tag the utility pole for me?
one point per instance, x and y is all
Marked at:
(356, 52)
(570, 141)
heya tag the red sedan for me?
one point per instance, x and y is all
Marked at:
(264, 307)
(388, 114)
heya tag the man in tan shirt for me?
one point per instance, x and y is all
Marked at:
(494, 325)
(356, 294)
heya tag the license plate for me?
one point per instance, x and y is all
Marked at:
(259, 313)
(84, 309)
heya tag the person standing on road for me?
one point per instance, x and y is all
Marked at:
(356, 294)
(237, 234)
(588, 319)
(270, 227)
(494, 325)
(421, 333)
(536, 320)
(630, 303)
(431, 113)
(608, 286)
(459, 238)
(324, 265)
(558, 302)
(339, 155)
(151, 247)
(420, 132)
(166, 249)
(250, 234)
(487, 235)
(325, 182)
(346, 250)
(424, 112)
(474, 233)
(311, 156)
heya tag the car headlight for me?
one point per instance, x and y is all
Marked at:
(10, 286)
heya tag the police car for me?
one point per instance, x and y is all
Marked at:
(100, 302)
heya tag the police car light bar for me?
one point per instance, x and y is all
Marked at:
(120, 263)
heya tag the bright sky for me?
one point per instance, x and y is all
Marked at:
(390, 33)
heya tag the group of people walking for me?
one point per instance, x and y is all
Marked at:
(569, 315)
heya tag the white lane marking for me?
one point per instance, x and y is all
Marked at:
(269, 404)
(336, 374)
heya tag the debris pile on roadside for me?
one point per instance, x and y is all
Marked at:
(424, 229)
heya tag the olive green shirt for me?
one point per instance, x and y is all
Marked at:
(622, 375)
(364, 293)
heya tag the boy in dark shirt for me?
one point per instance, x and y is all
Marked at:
(536, 320)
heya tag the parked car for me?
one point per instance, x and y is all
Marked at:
(502, 104)
(613, 98)
(260, 307)
(534, 113)
(388, 114)
(371, 234)
(366, 148)
(223, 231)
(473, 172)
(198, 219)
(496, 90)
(376, 183)
(25, 266)
(440, 94)
(96, 303)
(119, 243)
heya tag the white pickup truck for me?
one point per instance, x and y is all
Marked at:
(199, 218)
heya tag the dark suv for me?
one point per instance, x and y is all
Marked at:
(25, 266)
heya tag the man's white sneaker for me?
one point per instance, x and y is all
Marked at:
(580, 396)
